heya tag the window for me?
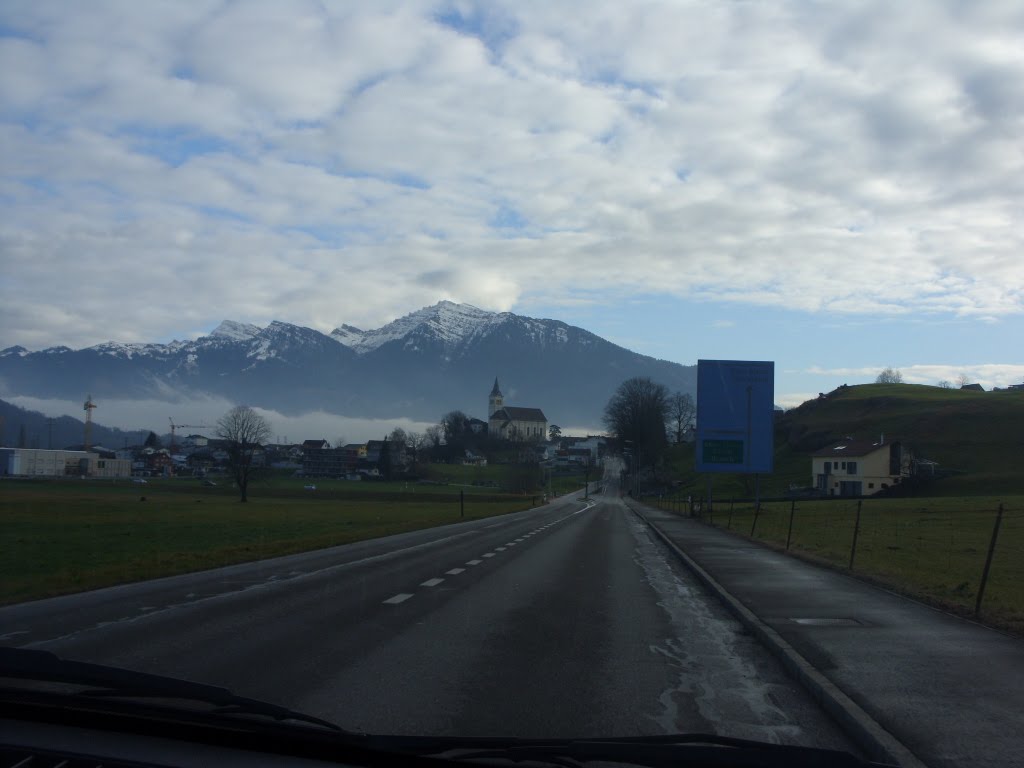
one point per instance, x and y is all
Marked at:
(851, 467)
(844, 465)
(871, 485)
(828, 467)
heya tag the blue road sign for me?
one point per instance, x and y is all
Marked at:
(735, 416)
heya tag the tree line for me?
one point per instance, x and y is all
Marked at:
(643, 416)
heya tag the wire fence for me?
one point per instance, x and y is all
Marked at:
(966, 554)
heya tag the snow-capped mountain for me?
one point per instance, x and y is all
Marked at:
(230, 329)
(420, 366)
(448, 323)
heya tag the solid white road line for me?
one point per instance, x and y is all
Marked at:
(401, 597)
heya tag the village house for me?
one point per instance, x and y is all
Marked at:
(857, 467)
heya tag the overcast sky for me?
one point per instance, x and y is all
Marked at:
(833, 186)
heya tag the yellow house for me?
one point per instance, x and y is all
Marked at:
(857, 467)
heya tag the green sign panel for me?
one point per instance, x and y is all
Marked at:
(722, 451)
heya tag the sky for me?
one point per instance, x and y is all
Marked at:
(833, 186)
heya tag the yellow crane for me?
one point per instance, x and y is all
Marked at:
(183, 426)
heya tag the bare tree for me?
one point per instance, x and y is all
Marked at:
(433, 436)
(455, 425)
(554, 432)
(681, 413)
(636, 414)
(417, 441)
(889, 375)
(962, 380)
(945, 384)
(246, 432)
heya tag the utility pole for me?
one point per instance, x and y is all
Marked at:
(49, 434)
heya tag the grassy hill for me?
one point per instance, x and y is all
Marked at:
(977, 438)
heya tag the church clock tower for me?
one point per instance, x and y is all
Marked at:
(496, 401)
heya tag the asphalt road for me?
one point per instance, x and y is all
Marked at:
(568, 620)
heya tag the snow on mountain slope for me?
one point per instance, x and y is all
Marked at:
(451, 324)
(348, 335)
(231, 329)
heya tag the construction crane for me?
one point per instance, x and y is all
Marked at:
(183, 426)
(88, 407)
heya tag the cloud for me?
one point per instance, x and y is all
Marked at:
(793, 399)
(198, 410)
(166, 166)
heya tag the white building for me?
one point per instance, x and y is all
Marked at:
(857, 467)
(36, 462)
(510, 422)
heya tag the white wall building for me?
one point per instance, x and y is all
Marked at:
(37, 462)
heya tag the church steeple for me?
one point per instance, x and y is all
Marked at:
(496, 400)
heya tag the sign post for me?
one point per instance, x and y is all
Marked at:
(735, 417)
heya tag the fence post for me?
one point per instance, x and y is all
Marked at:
(462, 502)
(753, 525)
(988, 560)
(792, 510)
(856, 531)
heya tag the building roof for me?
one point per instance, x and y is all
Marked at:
(845, 448)
(973, 387)
(496, 390)
(314, 443)
(514, 413)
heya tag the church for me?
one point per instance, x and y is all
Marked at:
(510, 422)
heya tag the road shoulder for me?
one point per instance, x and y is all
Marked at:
(895, 674)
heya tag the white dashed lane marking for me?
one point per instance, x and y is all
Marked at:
(401, 597)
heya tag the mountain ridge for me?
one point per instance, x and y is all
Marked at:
(420, 365)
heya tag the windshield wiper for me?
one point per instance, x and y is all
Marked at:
(669, 751)
(113, 682)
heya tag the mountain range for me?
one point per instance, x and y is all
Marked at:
(421, 365)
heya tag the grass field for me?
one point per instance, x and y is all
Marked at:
(974, 437)
(62, 536)
(931, 548)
